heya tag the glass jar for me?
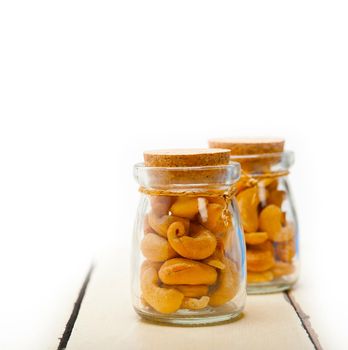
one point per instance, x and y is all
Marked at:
(188, 260)
(267, 213)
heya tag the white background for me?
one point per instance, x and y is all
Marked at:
(86, 86)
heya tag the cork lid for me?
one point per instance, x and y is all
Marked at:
(249, 146)
(187, 157)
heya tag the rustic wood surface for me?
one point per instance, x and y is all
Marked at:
(106, 320)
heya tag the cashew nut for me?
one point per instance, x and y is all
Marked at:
(212, 218)
(282, 268)
(271, 221)
(259, 260)
(193, 291)
(187, 207)
(156, 248)
(163, 300)
(227, 286)
(260, 277)
(248, 201)
(199, 245)
(195, 304)
(255, 237)
(160, 224)
(160, 204)
(184, 271)
(276, 197)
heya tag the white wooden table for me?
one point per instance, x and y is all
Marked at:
(103, 319)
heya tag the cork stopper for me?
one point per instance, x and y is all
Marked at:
(249, 146)
(187, 157)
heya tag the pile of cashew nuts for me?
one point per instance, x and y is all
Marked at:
(269, 237)
(185, 245)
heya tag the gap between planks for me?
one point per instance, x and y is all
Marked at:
(75, 312)
(304, 318)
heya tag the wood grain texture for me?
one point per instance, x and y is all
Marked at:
(107, 321)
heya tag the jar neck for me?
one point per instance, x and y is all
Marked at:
(263, 164)
(183, 179)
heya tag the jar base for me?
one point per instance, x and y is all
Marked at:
(268, 287)
(188, 318)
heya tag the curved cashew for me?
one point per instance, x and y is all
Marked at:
(193, 291)
(282, 268)
(260, 277)
(195, 304)
(156, 248)
(228, 283)
(160, 204)
(184, 271)
(271, 221)
(212, 218)
(161, 299)
(248, 201)
(146, 226)
(259, 260)
(187, 207)
(199, 245)
(160, 224)
(255, 237)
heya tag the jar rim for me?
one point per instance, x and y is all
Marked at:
(284, 160)
(221, 176)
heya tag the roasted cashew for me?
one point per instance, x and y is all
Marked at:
(156, 248)
(259, 260)
(271, 221)
(193, 291)
(282, 268)
(248, 201)
(212, 218)
(227, 286)
(160, 204)
(253, 238)
(260, 277)
(199, 245)
(160, 224)
(187, 207)
(184, 271)
(163, 300)
(195, 304)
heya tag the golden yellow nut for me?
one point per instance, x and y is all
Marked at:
(185, 271)
(187, 207)
(271, 221)
(160, 224)
(227, 285)
(282, 268)
(194, 303)
(160, 204)
(146, 226)
(248, 201)
(192, 291)
(285, 234)
(259, 260)
(163, 300)
(260, 277)
(200, 244)
(253, 238)
(156, 248)
(213, 219)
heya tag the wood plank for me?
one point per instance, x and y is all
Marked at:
(107, 321)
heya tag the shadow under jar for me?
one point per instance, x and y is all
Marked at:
(267, 212)
(188, 260)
